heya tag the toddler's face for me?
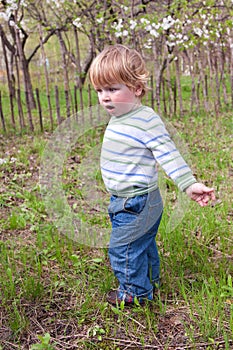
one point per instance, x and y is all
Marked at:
(118, 99)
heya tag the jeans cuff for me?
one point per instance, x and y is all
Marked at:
(129, 297)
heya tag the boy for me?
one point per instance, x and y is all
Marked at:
(135, 141)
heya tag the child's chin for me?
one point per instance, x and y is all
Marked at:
(110, 111)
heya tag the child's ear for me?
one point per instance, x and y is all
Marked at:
(138, 90)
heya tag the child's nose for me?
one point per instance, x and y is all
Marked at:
(105, 96)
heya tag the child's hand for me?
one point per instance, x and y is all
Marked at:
(200, 194)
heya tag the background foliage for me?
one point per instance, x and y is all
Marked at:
(48, 43)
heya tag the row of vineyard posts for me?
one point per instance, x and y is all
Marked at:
(20, 117)
(43, 116)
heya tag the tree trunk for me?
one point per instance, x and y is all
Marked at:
(10, 85)
(222, 59)
(39, 109)
(1, 114)
(46, 77)
(193, 99)
(211, 74)
(157, 76)
(164, 96)
(231, 69)
(202, 80)
(57, 105)
(20, 108)
(65, 72)
(25, 70)
(217, 100)
(170, 91)
(79, 82)
(178, 83)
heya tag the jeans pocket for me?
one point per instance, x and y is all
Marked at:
(116, 205)
(135, 205)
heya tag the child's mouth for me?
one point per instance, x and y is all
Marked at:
(109, 108)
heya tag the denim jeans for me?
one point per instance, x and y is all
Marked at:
(133, 251)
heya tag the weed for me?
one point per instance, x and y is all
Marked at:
(44, 343)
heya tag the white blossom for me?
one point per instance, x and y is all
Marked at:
(118, 26)
(56, 2)
(172, 37)
(4, 16)
(77, 22)
(125, 8)
(167, 23)
(144, 21)
(148, 45)
(12, 5)
(118, 34)
(148, 27)
(3, 161)
(156, 26)
(206, 35)
(188, 21)
(133, 24)
(12, 23)
(125, 33)
(154, 33)
(170, 44)
(179, 36)
(100, 20)
(198, 31)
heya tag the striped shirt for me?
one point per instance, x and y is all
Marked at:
(133, 145)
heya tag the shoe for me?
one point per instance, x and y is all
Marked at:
(114, 299)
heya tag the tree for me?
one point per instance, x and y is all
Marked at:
(14, 36)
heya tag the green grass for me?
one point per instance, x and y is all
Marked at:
(53, 289)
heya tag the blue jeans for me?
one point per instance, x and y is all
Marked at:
(134, 257)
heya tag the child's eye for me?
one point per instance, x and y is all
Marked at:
(112, 89)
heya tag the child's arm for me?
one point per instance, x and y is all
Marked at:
(200, 193)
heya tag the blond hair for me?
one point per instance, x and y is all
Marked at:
(119, 64)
